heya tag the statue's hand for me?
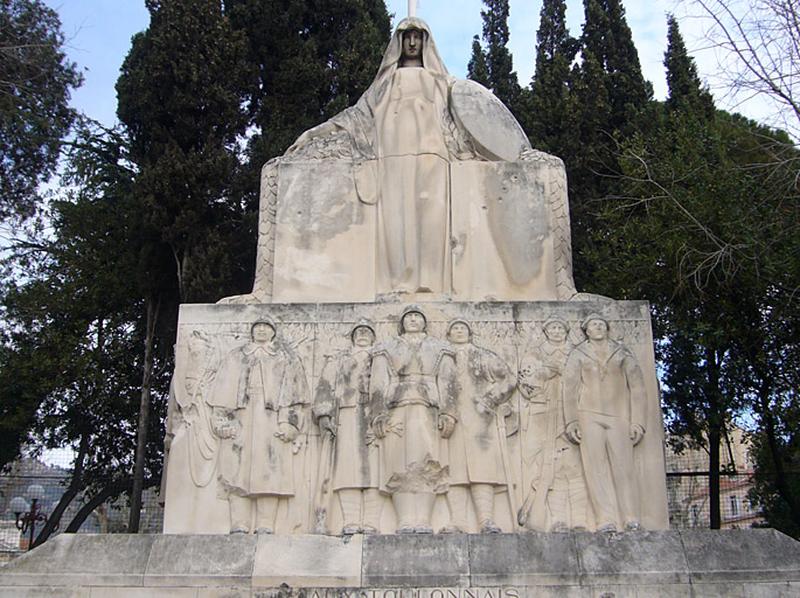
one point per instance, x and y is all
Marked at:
(326, 425)
(379, 427)
(286, 432)
(573, 432)
(190, 414)
(447, 424)
(637, 433)
(224, 430)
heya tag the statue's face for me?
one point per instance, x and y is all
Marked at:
(556, 332)
(363, 337)
(597, 330)
(412, 44)
(413, 322)
(262, 332)
(459, 333)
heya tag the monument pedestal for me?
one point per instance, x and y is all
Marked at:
(730, 563)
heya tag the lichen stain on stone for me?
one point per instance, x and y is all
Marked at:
(317, 215)
(518, 221)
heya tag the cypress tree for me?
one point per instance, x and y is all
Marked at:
(181, 92)
(686, 92)
(314, 58)
(550, 124)
(606, 35)
(612, 102)
(477, 69)
(180, 95)
(499, 64)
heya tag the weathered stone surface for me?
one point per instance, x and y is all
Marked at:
(219, 560)
(745, 590)
(731, 555)
(649, 558)
(325, 236)
(416, 561)
(503, 336)
(503, 240)
(532, 559)
(46, 592)
(303, 561)
(490, 124)
(225, 593)
(144, 592)
(82, 560)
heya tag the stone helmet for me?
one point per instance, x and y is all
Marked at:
(266, 320)
(362, 323)
(593, 316)
(455, 321)
(555, 320)
(408, 310)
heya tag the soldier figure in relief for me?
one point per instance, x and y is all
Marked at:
(604, 407)
(341, 409)
(476, 452)
(412, 391)
(259, 398)
(552, 472)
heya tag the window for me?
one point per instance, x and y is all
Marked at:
(734, 506)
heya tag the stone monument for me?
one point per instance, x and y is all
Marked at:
(480, 393)
(414, 401)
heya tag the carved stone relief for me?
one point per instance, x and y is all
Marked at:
(553, 479)
(446, 418)
(413, 393)
(322, 402)
(348, 463)
(477, 451)
(605, 411)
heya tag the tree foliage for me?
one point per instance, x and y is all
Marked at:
(476, 68)
(71, 356)
(35, 84)
(584, 113)
(703, 225)
(495, 58)
(181, 94)
(551, 123)
(312, 58)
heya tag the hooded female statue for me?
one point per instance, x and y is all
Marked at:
(403, 134)
(362, 207)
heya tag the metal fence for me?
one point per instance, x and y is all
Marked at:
(30, 478)
(687, 495)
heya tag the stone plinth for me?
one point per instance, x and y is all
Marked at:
(734, 563)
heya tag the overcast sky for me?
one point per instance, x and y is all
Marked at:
(99, 33)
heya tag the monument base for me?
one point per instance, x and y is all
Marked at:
(727, 563)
